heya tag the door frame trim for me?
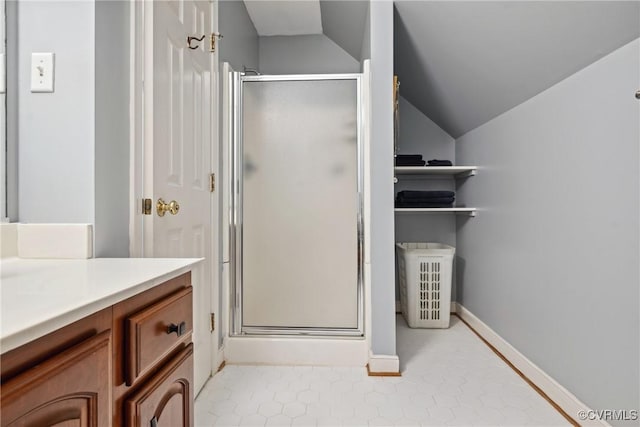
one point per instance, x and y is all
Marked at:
(137, 127)
(141, 127)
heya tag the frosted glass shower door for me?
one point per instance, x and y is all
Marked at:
(300, 204)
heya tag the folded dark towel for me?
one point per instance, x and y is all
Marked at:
(423, 205)
(400, 162)
(438, 200)
(409, 156)
(436, 162)
(411, 194)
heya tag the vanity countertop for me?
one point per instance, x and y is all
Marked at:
(39, 296)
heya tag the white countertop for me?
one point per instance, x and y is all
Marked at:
(39, 296)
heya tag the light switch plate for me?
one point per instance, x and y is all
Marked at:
(42, 72)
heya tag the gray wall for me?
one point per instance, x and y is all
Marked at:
(419, 135)
(3, 115)
(383, 340)
(344, 23)
(465, 62)
(12, 109)
(366, 39)
(551, 261)
(56, 130)
(74, 143)
(239, 47)
(304, 55)
(112, 129)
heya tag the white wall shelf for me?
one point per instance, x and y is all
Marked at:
(456, 171)
(467, 211)
(452, 171)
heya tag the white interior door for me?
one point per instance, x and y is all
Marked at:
(179, 145)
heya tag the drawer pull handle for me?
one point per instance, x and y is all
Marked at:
(178, 329)
(154, 422)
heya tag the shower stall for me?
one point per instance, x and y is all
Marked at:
(296, 232)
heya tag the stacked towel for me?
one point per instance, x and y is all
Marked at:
(436, 162)
(410, 160)
(409, 156)
(425, 199)
(416, 160)
(412, 194)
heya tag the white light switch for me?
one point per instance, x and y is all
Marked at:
(42, 72)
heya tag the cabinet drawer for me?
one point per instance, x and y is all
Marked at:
(165, 400)
(156, 331)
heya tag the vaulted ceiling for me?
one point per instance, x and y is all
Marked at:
(342, 21)
(463, 63)
(285, 18)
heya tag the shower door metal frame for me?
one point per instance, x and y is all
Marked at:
(236, 226)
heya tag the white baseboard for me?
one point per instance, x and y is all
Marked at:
(219, 361)
(454, 307)
(557, 393)
(296, 351)
(383, 364)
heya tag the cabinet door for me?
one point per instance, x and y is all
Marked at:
(69, 389)
(166, 399)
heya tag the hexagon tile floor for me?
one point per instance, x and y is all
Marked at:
(449, 378)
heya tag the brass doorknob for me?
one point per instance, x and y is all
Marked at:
(172, 207)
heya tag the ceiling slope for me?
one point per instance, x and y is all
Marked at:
(344, 22)
(285, 18)
(463, 63)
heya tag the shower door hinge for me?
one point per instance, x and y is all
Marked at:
(213, 322)
(212, 182)
(147, 206)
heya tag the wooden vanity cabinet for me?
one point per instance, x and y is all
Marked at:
(165, 400)
(70, 388)
(130, 364)
(146, 349)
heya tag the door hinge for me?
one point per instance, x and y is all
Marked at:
(212, 182)
(213, 322)
(212, 41)
(147, 206)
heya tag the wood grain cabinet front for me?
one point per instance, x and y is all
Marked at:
(156, 331)
(130, 364)
(165, 400)
(69, 389)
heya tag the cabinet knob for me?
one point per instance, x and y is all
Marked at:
(154, 422)
(179, 329)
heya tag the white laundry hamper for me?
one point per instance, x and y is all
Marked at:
(425, 275)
